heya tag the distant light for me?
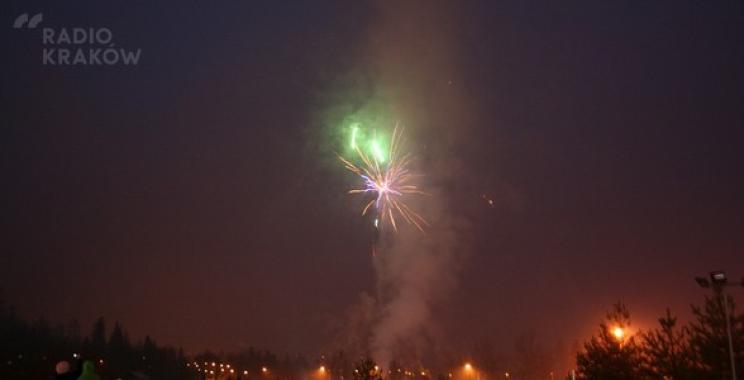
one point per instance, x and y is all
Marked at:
(264, 369)
(322, 369)
(100, 361)
(245, 372)
(423, 373)
(75, 355)
(214, 364)
(506, 374)
(718, 277)
(232, 370)
(468, 367)
(618, 332)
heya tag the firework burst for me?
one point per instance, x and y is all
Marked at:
(389, 178)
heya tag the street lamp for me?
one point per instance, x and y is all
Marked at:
(718, 280)
(619, 333)
(470, 370)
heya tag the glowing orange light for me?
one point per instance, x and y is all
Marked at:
(618, 332)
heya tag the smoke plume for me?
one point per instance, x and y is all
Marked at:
(413, 53)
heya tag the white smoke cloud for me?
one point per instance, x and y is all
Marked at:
(413, 54)
(409, 64)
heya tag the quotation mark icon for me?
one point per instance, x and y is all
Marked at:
(31, 23)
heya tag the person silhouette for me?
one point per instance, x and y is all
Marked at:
(89, 371)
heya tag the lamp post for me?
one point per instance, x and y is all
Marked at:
(470, 371)
(718, 280)
(619, 333)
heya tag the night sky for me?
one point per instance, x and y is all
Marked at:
(194, 196)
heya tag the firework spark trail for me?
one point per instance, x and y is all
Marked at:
(391, 182)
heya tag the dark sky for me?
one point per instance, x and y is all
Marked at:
(185, 198)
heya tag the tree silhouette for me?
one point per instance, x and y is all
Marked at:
(98, 336)
(611, 357)
(366, 369)
(709, 340)
(118, 354)
(29, 350)
(72, 331)
(667, 352)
